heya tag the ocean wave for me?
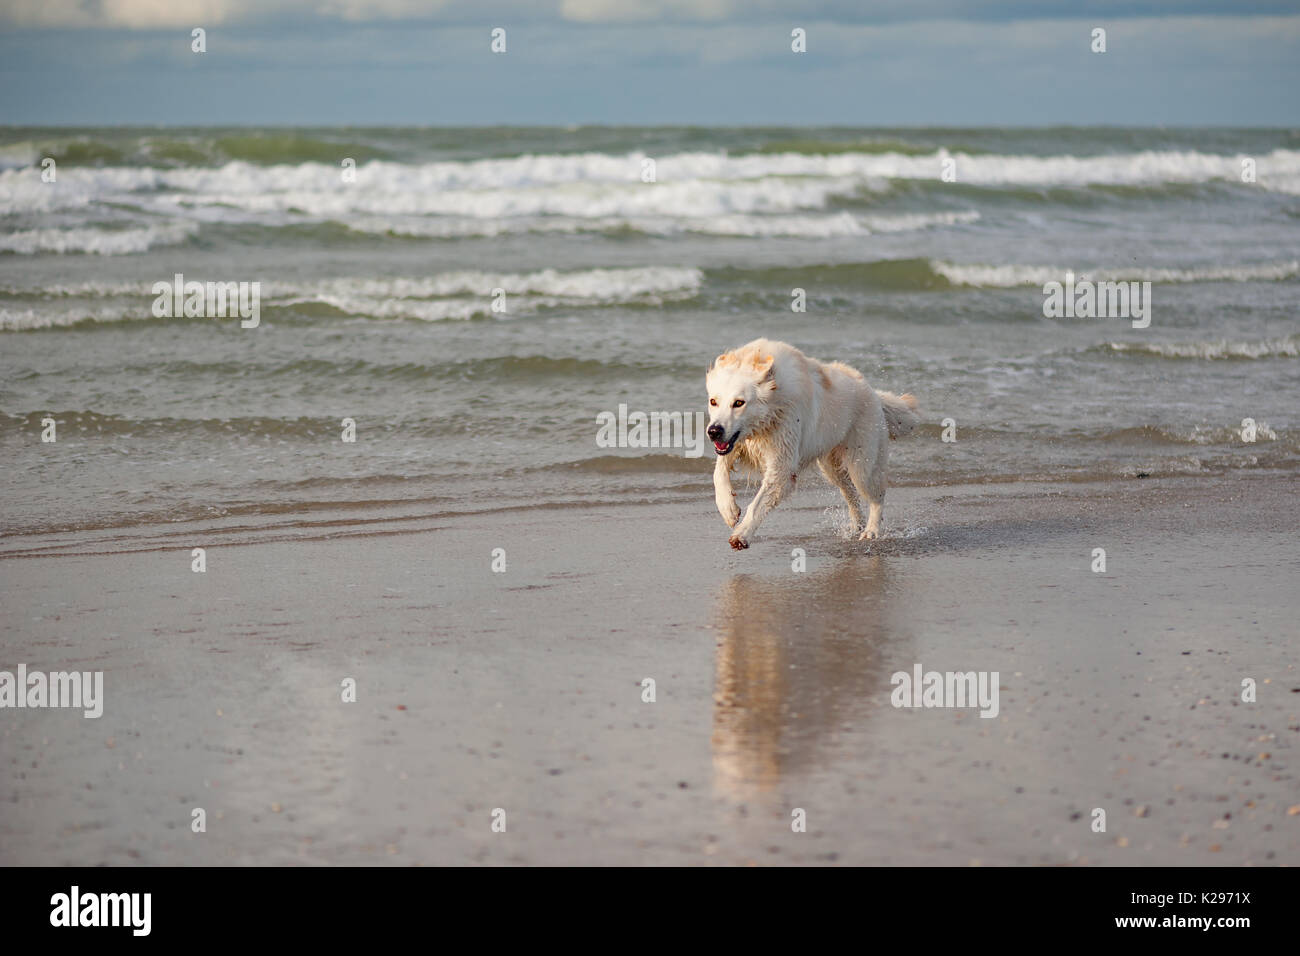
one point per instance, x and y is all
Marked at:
(93, 288)
(593, 185)
(1221, 349)
(468, 295)
(171, 149)
(100, 242)
(1153, 435)
(19, 155)
(604, 284)
(824, 147)
(1150, 435)
(938, 275)
(1009, 276)
(583, 283)
(893, 274)
(740, 226)
(430, 310)
(585, 200)
(29, 320)
(756, 195)
(456, 295)
(557, 186)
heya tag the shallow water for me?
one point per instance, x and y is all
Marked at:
(377, 304)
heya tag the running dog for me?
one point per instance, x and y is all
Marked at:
(780, 411)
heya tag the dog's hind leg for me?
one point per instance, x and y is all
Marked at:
(865, 462)
(832, 466)
(876, 504)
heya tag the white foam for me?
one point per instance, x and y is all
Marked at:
(97, 288)
(24, 320)
(773, 195)
(429, 310)
(461, 294)
(593, 185)
(600, 284)
(465, 295)
(439, 310)
(100, 242)
(1282, 183)
(1123, 169)
(740, 225)
(815, 226)
(583, 283)
(1009, 276)
(908, 222)
(1222, 349)
(585, 200)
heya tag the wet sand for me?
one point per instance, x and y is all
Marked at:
(522, 690)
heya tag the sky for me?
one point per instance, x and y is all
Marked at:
(650, 62)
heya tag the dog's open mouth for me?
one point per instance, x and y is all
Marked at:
(724, 447)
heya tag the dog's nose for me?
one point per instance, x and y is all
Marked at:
(715, 432)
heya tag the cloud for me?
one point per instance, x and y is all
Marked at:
(173, 14)
(607, 11)
(362, 10)
(128, 14)
(48, 13)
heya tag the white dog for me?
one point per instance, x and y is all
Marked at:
(780, 411)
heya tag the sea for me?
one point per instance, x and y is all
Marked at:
(448, 318)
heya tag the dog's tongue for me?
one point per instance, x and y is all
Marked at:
(720, 445)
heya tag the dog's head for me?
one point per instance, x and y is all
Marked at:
(739, 388)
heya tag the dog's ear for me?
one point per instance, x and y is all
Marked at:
(726, 358)
(763, 366)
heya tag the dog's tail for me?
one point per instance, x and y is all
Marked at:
(900, 413)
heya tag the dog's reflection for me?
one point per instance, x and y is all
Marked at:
(799, 657)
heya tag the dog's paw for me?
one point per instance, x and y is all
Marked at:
(732, 517)
(869, 534)
(738, 542)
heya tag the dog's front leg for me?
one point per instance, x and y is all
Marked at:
(723, 493)
(777, 481)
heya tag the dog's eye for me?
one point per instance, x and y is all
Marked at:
(713, 401)
(737, 403)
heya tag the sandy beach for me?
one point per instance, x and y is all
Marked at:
(522, 690)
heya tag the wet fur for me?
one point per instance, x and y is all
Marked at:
(798, 411)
